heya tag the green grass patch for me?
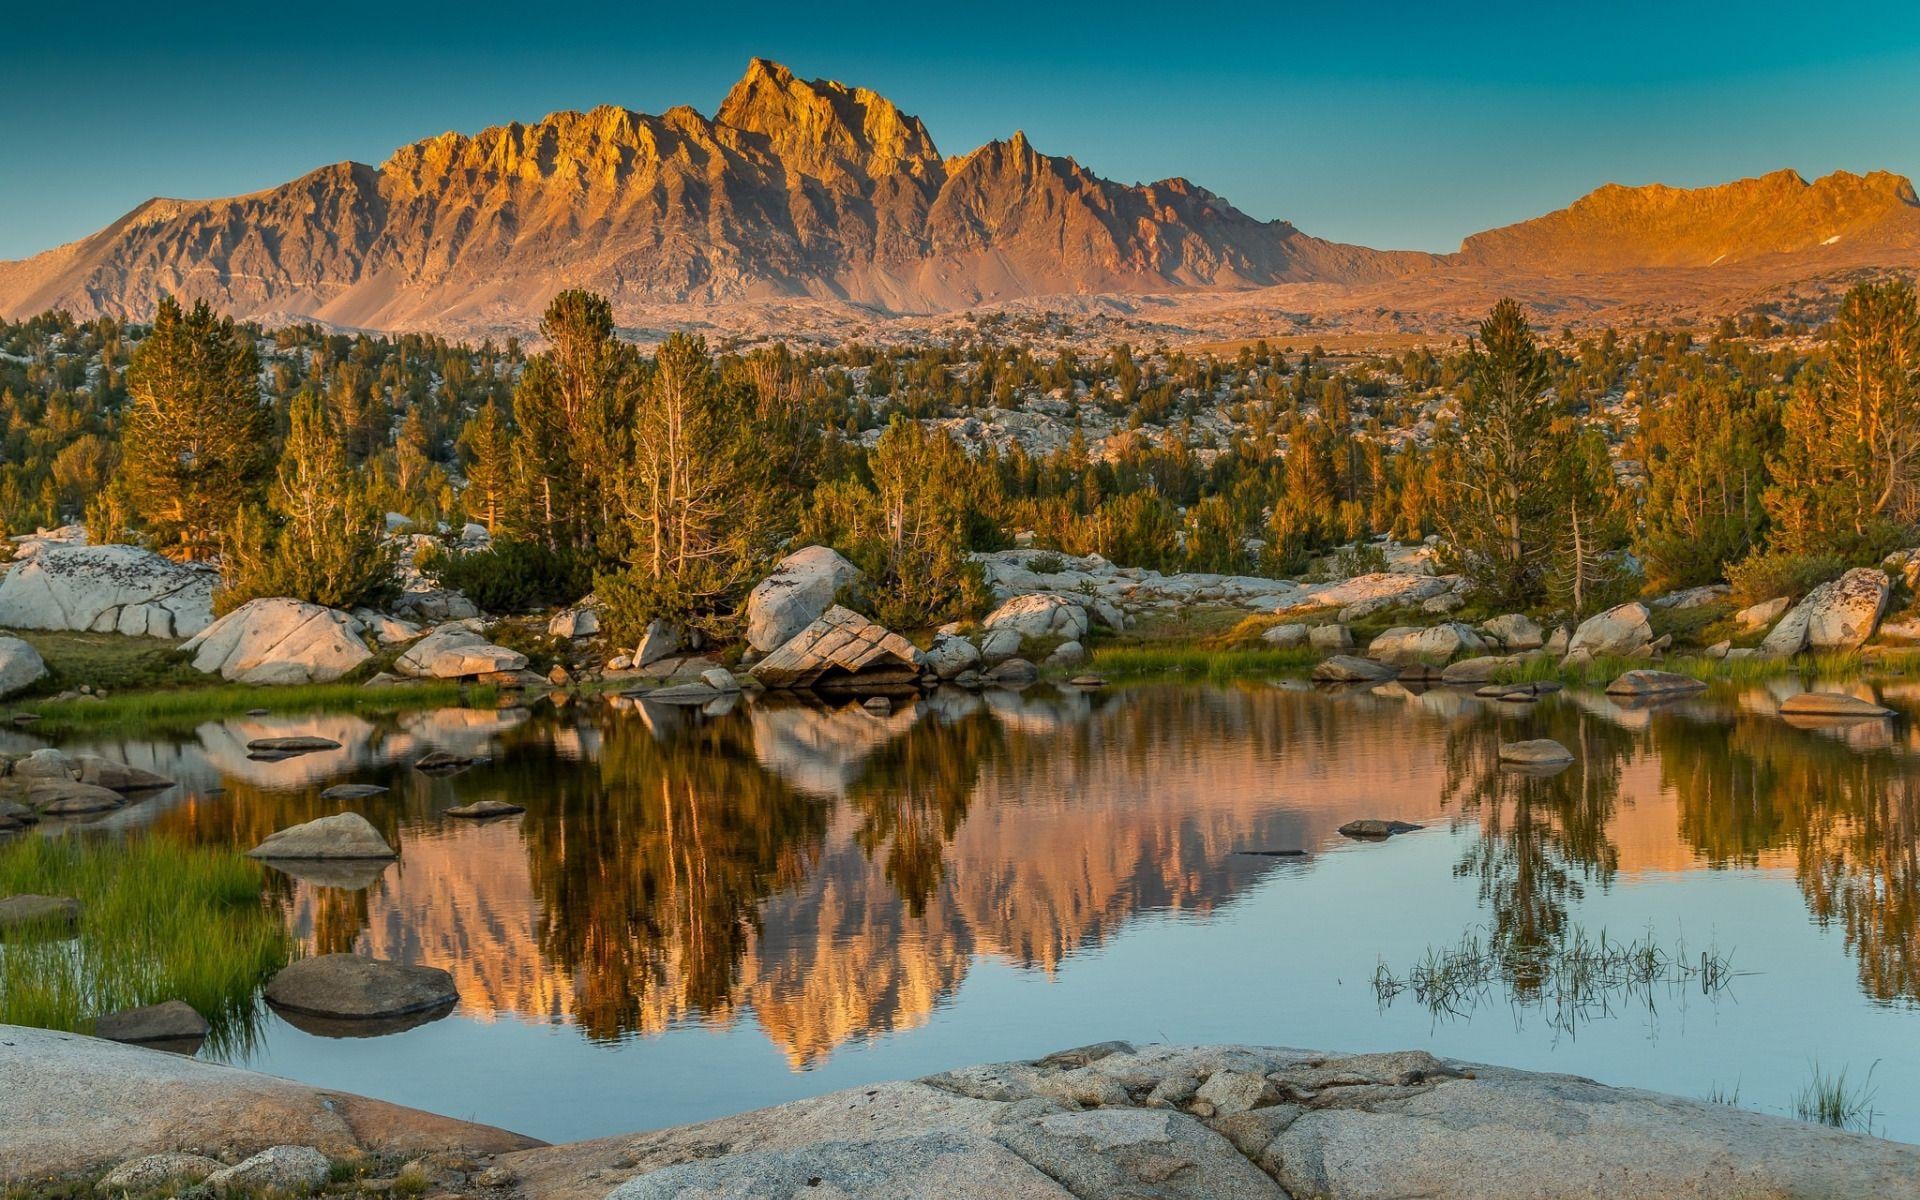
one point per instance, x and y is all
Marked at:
(110, 661)
(188, 707)
(1601, 671)
(1136, 661)
(159, 921)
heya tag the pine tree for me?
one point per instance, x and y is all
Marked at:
(321, 539)
(1849, 473)
(575, 409)
(488, 446)
(1499, 519)
(197, 441)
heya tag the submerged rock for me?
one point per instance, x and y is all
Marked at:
(34, 913)
(1345, 668)
(343, 835)
(1831, 704)
(294, 744)
(481, 809)
(352, 791)
(1537, 752)
(353, 986)
(1647, 684)
(1376, 828)
(169, 1025)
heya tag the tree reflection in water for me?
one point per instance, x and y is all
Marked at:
(1541, 838)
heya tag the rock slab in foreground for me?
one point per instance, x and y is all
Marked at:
(1233, 1122)
(74, 1103)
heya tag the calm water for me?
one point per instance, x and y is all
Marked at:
(700, 914)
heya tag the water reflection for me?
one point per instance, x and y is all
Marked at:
(836, 874)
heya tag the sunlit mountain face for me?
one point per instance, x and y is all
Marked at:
(847, 895)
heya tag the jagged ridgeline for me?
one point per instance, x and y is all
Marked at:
(816, 193)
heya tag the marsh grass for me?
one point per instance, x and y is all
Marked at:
(1602, 671)
(159, 921)
(1835, 1100)
(164, 709)
(1570, 981)
(1195, 662)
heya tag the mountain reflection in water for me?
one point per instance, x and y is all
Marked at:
(823, 877)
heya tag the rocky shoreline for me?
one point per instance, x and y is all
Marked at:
(1104, 1121)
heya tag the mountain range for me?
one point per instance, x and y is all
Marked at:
(804, 200)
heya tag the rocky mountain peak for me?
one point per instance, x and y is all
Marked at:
(827, 128)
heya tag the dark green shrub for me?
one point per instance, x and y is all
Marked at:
(510, 576)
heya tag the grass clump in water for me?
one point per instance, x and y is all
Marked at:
(1836, 1101)
(159, 921)
(1572, 979)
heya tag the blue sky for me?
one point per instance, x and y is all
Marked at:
(1392, 125)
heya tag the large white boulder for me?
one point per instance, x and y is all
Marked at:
(801, 588)
(1840, 614)
(1038, 615)
(107, 589)
(1406, 646)
(455, 652)
(1619, 631)
(281, 641)
(1516, 631)
(1763, 614)
(951, 654)
(20, 666)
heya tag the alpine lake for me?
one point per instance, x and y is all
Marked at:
(707, 910)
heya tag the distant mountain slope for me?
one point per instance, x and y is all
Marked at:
(812, 201)
(1839, 219)
(792, 189)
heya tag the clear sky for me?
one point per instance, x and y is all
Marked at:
(1387, 124)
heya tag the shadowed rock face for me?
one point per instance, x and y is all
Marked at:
(1233, 1121)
